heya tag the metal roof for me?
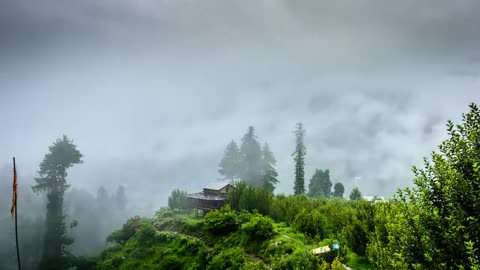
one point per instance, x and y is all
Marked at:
(202, 196)
(217, 185)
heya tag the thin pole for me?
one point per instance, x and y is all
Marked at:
(16, 228)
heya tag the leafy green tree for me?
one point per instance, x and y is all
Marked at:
(251, 158)
(230, 165)
(52, 179)
(250, 198)
(355, 195)
(435, 224)
(338, 190)
(269, 172)
(299, 158)
(320, 184)
(178, 199)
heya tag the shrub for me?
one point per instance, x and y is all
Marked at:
(311, 224)
(126, 232)
(259, 227)
(221, 221)
(300, 259)
(170, 262)
(232, 259)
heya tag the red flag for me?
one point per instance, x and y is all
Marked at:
(14, 195)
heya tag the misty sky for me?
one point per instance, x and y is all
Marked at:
(151, 91)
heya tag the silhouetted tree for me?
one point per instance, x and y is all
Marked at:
(102, 196)
(62, 155)
(251, 158)
(355, 195)
(230, 165)
(320, 184)
(299, 158)
(120, 198)
(338, 190)
(269, 172)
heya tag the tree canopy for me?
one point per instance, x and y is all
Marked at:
(355, 195)
(230, 165)
(251, 158)
(269, 172)
(320, 184)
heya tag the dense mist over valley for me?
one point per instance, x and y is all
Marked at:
(152, 92)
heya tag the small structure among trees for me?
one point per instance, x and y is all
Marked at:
(211, 198)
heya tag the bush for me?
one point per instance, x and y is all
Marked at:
(312, 224)
(126, 232)
(232, 259)
(297, 260)
(170, 262)
(221, 221)
(259, 227)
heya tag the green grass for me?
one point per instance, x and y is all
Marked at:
(358, 262)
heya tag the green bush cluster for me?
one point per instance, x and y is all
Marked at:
(221, 221)
(259, 227)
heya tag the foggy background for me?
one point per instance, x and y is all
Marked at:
(152, 91)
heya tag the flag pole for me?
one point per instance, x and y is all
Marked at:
(16, 229)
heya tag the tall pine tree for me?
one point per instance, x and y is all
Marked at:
(251, 158)
(269, 172)
(230, 165)
(299, 158)
(62, 155)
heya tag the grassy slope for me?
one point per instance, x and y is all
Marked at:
(180, 242)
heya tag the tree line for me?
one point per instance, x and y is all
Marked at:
(256, 166)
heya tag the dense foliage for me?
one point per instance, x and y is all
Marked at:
(435, 224)
(320, 184)
(178, 200)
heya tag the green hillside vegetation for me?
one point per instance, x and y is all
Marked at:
(433, 225)
(243, 238)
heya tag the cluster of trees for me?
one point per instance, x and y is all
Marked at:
(249, 162)
(434, 225)
(46, 238)
(321, 185)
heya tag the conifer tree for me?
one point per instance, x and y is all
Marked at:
(355, 195)
(299, 158)
(251, 158)
(62, 155)
(269, 172)
(230, 165)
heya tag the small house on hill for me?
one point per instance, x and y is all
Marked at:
(211, 198)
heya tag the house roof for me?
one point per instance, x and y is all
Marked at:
(217, 185)
(202, 196)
